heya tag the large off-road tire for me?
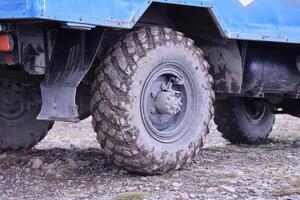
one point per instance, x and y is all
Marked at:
(152, 101)
(244, 121)
(19, 107)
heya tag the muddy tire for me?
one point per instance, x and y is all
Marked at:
(123, 108)
(19, 128)
(244, 121)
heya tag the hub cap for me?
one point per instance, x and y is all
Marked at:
(11, 104)
(167, 103)
(16, 100)
(255, 109)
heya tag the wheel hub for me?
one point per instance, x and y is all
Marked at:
(167, 102)
(15, 100)
(254, 109)
(10, 104)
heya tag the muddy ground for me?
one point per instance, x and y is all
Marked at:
(69, 164)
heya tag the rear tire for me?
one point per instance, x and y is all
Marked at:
(19, 107)
(244, 121)
(136, 129)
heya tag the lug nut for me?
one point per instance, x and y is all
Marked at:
(153, 110)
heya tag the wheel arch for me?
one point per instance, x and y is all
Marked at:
(199, 23)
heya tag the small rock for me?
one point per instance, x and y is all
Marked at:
(72, 163)
(50, 172)
(146, 189)
(225, 188)
(36, 163)
(82, 163)
(2, 156)
(239, 173)
(192, 196)
(51, 166)
(59, 176)
(141, 187)
(211, 189)
(157, 188)
(265, 185)
(184, 195)
(27, 170)
(131, 188)
(175, 184)
(255, 191)
(144, 179)
(233, 181)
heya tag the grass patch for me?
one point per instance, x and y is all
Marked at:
(131, 196)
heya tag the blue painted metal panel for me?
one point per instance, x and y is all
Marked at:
(268, 20)
(271, 20)
(12, 9)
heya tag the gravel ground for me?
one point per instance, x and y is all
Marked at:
(69, 164)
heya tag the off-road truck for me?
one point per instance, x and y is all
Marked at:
(152, 73)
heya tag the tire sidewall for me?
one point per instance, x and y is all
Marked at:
(23, 133)
(254, 131)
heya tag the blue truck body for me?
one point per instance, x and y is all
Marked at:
(263, 20)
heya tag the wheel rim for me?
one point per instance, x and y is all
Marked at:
(167, 102)
(255, 110)
(11, 104)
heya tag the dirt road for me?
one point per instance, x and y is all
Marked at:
(69, 164)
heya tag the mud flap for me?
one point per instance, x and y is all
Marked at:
(72, 57)
(227, 66)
